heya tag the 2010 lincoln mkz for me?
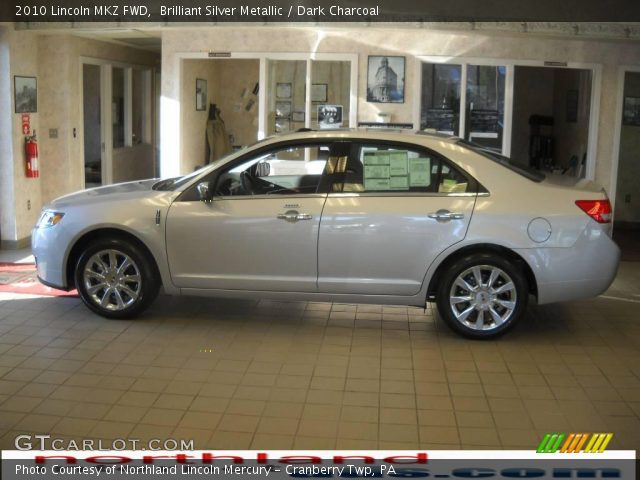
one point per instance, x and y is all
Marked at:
(340, 216)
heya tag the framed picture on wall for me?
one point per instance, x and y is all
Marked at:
(283, 90)
(329, 116)
(283, 125)
(201, 94)
(25, 94)
(385, 79)
(283, 109)
(631, 111)
(319, 92)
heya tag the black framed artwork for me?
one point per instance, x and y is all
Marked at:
(201, 94)
(385, 79)
(25, 94)
(631, 111)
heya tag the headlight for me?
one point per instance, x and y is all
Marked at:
(49, 219)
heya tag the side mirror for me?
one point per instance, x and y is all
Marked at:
(203, 191)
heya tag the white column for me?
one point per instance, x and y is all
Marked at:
(7, 198)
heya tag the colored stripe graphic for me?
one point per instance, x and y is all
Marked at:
(598, 442)
(574, 443)
(550, 443)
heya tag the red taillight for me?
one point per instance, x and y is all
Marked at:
(599, 210)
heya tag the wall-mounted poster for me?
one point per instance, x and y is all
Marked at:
(319, 92)
(201, 94)
(25, 94)
(631, 111)
(283, 90)
(282, 125)
(283, 109)
(329, 116)
(385, 79)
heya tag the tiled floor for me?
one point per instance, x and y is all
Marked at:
(232, 374)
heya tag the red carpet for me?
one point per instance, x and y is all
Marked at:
(21, 278)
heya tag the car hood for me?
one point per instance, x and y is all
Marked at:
(115, 192)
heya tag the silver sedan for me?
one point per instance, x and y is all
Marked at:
(358, 217)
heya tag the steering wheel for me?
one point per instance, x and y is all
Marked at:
(248, 183)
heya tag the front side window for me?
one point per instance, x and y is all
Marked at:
(290, 170)
(394, 168)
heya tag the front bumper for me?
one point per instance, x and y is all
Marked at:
(49, 252)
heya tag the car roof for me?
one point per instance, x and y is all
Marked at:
(373, 134)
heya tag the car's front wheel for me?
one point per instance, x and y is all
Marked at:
(116, 279)
(482, 295)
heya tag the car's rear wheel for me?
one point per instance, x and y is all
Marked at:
(116, 279)
(482, 295)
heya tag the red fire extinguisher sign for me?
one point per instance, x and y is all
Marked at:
(26, 124)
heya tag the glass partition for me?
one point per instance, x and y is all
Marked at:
(484, 119)
(117, 106)
(440, 98)
(330, 95)
(285, 95)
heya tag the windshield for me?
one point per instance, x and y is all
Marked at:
(525, 171)
(177, 182)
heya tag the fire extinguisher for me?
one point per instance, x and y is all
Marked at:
(31, 152)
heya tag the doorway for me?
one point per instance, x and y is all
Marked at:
(627, 196)
(118, 122)
(220, 113)
(551, 118)
(92, 112)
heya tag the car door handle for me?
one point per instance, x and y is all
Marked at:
(293, 216)
(445, 215)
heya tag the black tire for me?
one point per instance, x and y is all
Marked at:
(143, 269)
(481, 322)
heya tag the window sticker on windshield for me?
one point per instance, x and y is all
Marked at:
(419, 172)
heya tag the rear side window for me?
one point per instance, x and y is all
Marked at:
(374, 167)
(527, 172)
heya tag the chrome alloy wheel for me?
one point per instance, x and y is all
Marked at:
(483, 297)
(112, 280)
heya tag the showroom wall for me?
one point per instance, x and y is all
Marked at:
(232, 78)
(21, 196)
(571, 136)
(59, 56)
(532, 95)
(226, 80)
(409, 42)
(55, 61)
(629, 164)
(194, 122)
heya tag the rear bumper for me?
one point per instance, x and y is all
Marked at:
(583, 270)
